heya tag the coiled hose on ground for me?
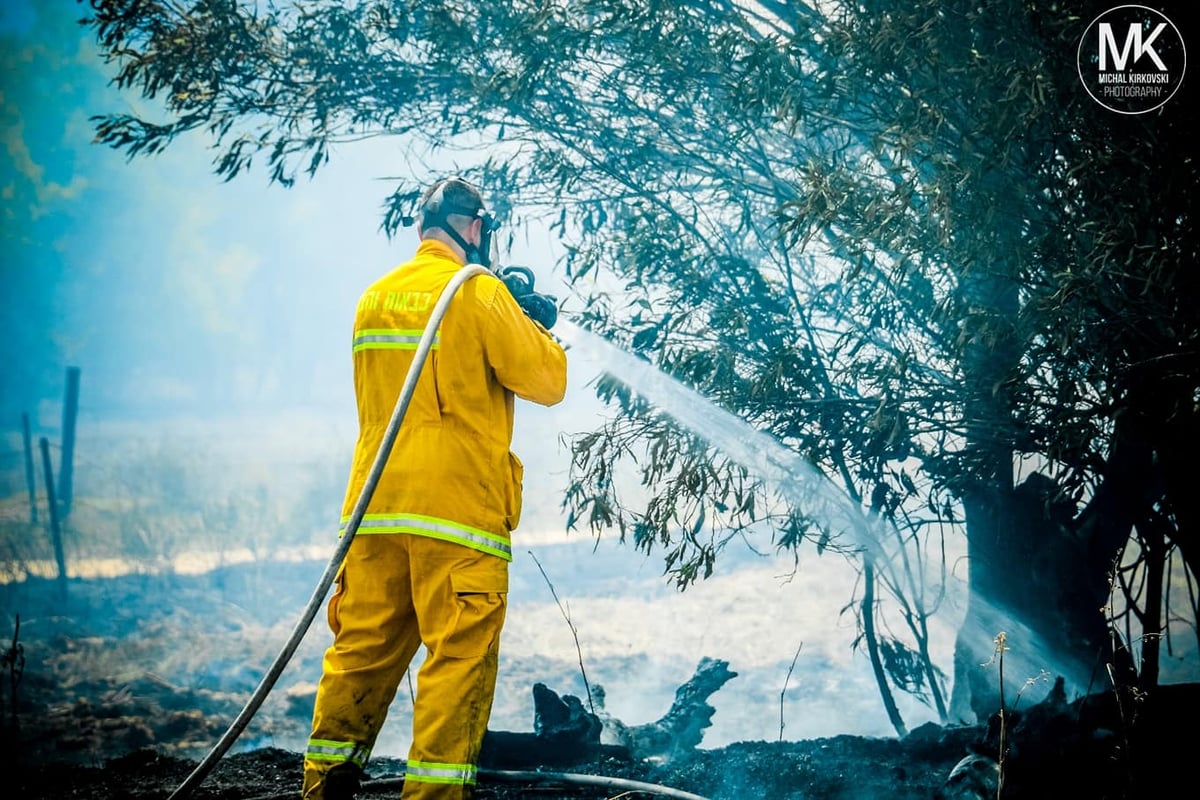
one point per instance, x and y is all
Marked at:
(267, 683)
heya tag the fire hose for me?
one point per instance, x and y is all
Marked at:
(315, 602)
(623, 785)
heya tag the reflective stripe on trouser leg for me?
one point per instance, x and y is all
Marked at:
(354, 753)
(461, 600)
(375, 637)
(423, 771)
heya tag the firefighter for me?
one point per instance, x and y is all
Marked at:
(429, 562)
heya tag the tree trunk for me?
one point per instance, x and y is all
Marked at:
(988, 359)
(1044, 577)
(872, 642)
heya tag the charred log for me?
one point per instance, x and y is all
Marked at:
(565, 733)
(681, 729)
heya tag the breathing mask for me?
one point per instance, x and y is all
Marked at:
(436, 214)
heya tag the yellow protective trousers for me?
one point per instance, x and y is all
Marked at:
(393, 593)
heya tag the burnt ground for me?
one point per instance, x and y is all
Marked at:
(1066, 763)
(104, 710)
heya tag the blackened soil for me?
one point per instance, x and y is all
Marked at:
(1051, 756)
(842, 767)
(85, 723)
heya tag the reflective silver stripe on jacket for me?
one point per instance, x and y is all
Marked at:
(328, 750)
(444, 529)
(426, 772)
(388, 339)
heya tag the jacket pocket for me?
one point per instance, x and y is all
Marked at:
(481, 599)
(335, 600)
(516, 480)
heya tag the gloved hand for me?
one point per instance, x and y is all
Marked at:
(541, 308)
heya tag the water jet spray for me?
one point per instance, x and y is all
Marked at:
(760, 453)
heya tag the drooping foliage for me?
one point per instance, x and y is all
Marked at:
(881, 232)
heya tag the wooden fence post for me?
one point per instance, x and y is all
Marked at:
(66, 469)
(29, 476)
(55, 532)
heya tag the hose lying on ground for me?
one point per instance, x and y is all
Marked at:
(533, 776)
(599, 781)
(360, 508)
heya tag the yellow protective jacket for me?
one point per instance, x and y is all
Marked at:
(451, 474)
